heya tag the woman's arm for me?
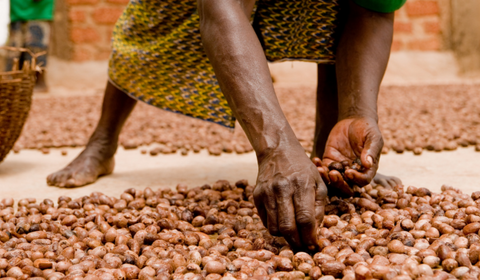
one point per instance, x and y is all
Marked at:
(362, 58)
(290, 193)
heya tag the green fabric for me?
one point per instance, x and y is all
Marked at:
(381, 6)
(24, 10)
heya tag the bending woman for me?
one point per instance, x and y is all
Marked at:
(209, 60)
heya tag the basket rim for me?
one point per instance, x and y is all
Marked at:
(33, 63)
(10, 81)
(11, 72)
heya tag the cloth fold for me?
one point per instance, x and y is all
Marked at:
(158, 56)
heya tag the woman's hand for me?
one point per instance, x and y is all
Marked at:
(290, 196)
(351, 139)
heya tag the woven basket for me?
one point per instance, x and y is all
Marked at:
(16, 87)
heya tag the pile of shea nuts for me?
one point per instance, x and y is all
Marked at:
(412, 118)
(214, 232)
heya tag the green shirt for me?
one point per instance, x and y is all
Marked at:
(24, 10)
(381, 6)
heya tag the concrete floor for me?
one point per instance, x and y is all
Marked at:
(23, 174)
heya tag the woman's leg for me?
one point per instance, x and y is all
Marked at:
(326, 115)
(97, 158)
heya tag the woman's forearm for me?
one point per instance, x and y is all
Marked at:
(242, 71)
(362, 57)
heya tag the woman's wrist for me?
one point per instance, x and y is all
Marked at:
(354, 112)
(277, 143)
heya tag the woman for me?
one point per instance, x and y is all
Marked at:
(158, 58)
(30, 28)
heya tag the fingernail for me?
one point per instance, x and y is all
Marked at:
(333, 179)
(370, 160)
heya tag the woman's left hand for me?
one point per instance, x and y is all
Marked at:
(349, 140)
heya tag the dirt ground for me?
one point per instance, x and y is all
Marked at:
(23, 174)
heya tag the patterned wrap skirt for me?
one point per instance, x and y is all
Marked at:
(158, 56)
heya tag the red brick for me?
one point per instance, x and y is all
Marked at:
(83, 35)
(109, 33)
(402, 27)
(82, 54)
(103, 54)
(118, 1)
(422, 8)
(76, 15)
(431, 44)
(107, 15)
(397, 45)
(82, 2)
(432, 27)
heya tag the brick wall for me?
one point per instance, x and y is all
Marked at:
(417, 27)
(91, 25)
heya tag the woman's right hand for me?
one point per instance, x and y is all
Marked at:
(290, 196)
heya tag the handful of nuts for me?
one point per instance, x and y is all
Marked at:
(345, 165)
(213, 232)
(340, 189)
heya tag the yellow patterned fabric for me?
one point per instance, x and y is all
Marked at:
(158, 56)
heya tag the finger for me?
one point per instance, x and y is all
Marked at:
(287, 224)
(321, 193)
(371, 152)
(271, 210)
(258, 200)
(320, 200)
(338, 182)
(360, 178)
(286, 213)
(326, 162)
(304, 202)
(324, 174)
(317, 161)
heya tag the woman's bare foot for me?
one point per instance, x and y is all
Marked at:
(92, 163)
(385, 181)
(97, 158)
